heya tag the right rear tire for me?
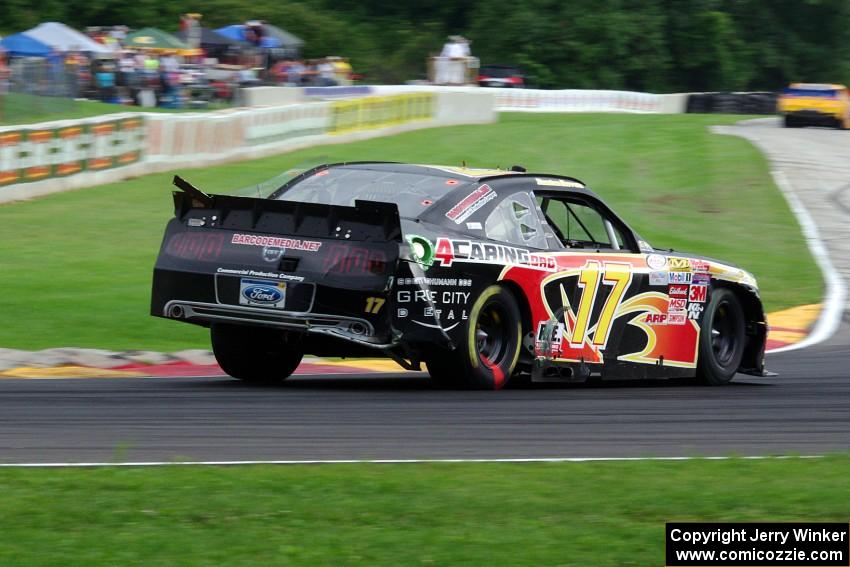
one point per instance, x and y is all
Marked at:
(253, 354)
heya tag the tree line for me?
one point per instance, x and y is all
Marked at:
(646, 45)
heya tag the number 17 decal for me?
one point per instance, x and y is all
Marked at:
(617, 275)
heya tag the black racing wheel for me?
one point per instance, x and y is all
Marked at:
(722, 338)
(488, 355)
(252, 354)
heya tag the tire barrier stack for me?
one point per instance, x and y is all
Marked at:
(732, 103)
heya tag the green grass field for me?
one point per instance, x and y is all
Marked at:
(536, 514)
(76, 266)
(16, 108)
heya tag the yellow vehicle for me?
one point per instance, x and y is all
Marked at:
(809, 104)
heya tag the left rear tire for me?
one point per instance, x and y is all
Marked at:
(253, 354)
(490, 349)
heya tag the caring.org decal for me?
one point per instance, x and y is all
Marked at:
(471, 203)
(449, 250)
(276, 241)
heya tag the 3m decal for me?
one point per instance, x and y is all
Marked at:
(679, 265)
(449, 251)
(698, 293)
(288, 243)
(677, 290)
(656, 261)
(471, 203)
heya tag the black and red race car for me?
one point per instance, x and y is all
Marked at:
(482, 275)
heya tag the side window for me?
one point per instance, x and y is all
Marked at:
(578, 225)
(515, 221)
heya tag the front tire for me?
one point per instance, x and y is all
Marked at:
(722, 339)
(252, 354)
(490, 349)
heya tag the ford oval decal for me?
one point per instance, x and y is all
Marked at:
(262, 294)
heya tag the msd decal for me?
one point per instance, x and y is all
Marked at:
(471, 203)
(449, 251)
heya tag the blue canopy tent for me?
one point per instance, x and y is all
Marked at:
(21, 44)
(273, 37)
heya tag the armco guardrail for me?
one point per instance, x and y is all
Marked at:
(51, 157)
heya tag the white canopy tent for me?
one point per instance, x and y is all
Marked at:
(63, 38)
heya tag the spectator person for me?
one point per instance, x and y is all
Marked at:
(450, 66)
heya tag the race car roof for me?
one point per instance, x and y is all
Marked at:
(467, 173)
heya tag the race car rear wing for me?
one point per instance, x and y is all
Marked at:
(370, 221)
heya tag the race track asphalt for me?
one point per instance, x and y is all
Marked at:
(804, 410)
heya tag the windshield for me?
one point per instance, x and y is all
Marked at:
(811, 92)
(412, 192)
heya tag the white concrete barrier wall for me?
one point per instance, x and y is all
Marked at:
(57, 156)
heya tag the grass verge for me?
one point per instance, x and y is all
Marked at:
(602, 513)
(17, 108)
(76, 266)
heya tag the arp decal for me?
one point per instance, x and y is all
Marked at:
(449, 251)
(471, 203)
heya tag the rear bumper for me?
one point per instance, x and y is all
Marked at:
(814, 116)
(352, 329)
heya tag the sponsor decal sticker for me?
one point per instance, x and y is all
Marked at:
(679, 277)
(272, 253)
(259, 274)
(700, 266)
(656, 318)
(677, 290)
(677, 318)
(644, 246)
(657, 278)
(472, 252)
(698, 293)
(473, 225)
(262, 293)
(679, 265)
(656, 261)
(471, 203)
(701, 279)
(678, 305)
(275, 241)
(549, 182)
(695, 310)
